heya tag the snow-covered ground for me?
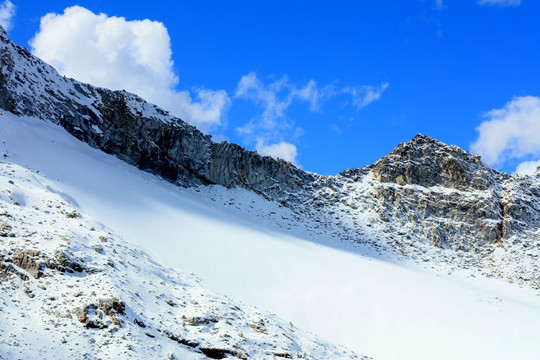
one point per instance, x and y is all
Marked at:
(70, 289)
(258, 252)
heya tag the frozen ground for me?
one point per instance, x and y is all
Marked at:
(261, 253)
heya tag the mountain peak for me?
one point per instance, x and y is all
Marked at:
(421, 138)
(427, 162)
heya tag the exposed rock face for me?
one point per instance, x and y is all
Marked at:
(139, 133)
(29, 260)
(427, 162)
(447, 195)
(423, 190)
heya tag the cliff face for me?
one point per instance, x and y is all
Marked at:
(140, 133)
(422, 192)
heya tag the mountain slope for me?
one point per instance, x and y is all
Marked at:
(71, 289)
(424, 192)
(425, 210)
(260, 252)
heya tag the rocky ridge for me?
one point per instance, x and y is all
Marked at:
(423, 194)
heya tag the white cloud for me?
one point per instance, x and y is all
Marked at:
(7, 11)
(273, 126)
(528, 167)
(118, 54)
(207, 112)
(500, 2)
(512, 132)
(282, 150)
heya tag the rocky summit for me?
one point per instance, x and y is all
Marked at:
(424, 196)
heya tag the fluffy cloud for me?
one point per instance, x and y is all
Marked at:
(282, 150)
(500, 2)
(269, 129)
(510, 133)
(527, 167)
(7, 11)
(118, 54)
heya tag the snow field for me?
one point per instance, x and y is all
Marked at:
(240, 245)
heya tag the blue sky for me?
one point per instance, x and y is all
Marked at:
(329, 85)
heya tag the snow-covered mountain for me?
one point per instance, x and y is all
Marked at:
(424, 192)
(358, 258)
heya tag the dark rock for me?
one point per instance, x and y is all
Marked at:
(5, 229)
(72, 215)
(65, 261)
(192, 344)
(29, 261)
(110, 307)
(220, 353)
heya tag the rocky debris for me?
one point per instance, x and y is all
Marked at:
(65, 261)
(199, 320)
(35, 263)
(5, 268)
(191, 344)
(140, 323)
(29, 261)
(102, 314)
(259, 326)
(72, 215)
(5, 229)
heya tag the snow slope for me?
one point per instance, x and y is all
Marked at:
(71, 289)
(259, 252)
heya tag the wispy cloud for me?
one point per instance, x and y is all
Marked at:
(272, 130)
(510, 133)
(119, 54)
(7, 12)
(364, 95)
(500, 2)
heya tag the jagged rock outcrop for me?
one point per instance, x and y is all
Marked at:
(423, 191)
(447, 195)
(427, 162)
